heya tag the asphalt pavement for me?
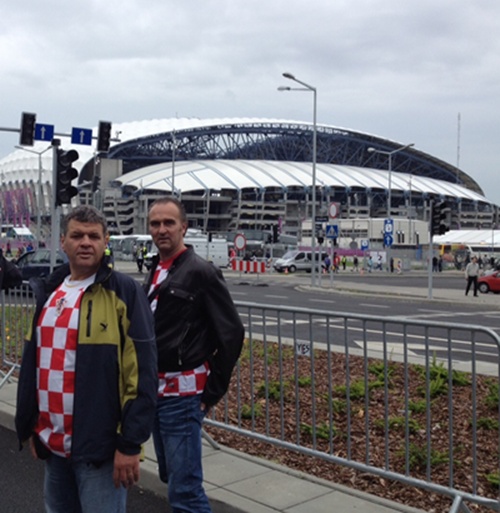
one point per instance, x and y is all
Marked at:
(21, 484)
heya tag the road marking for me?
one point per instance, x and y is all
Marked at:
(276, 297)
(328, 301)
(369, 305)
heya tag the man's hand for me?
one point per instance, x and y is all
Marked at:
(32, 447)
(126, 470)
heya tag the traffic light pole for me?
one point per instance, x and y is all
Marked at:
(55, 210)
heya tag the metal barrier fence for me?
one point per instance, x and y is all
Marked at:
(397, 398)
(16, 309)
(407, 400)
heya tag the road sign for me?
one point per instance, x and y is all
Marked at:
(333, 210)
(389, 226)
(332, 231)
(365, 244)
(321, 219)
(388, 240)
(44, 132)
(81, 136)
(240, 242)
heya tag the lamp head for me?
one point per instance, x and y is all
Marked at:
(289, 75)
(284, 88)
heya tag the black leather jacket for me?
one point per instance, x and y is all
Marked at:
(195, 321)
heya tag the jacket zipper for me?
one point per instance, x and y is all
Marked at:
(89, 318)
(179, 350)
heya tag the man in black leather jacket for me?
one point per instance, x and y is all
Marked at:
(199, 337)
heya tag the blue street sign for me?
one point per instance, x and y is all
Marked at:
(332, 231)
(389, 226)
(81, 136)
(388, 240)
(44, 132)
(365, 244)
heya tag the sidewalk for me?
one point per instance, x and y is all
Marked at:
(249, 484)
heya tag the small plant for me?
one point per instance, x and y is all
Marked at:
(380, 369)
(493, 479)
(437, 386)
(356, 390)
(273, 390)
(437, 371)
(399, 423)
(304, 381)
(491, 399)
(323, 430)
(487, 423)
(418, 457)
(417, 406)
(249, 412)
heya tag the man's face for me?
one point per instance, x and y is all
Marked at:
(84, 244)
(167, 229)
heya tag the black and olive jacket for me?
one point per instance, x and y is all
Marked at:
(196, 320)
(116, 375)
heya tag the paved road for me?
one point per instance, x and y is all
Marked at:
(21, 484)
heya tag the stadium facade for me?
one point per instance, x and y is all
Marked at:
(242, 174)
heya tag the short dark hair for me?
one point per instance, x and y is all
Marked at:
(84, 214)
(170, 199)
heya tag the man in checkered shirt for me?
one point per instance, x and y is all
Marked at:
(88, 380)
(199, 336)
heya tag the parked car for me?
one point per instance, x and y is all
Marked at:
(37, 263)
(295, 260)
(489, 283)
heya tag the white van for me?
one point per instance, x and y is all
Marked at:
(298, 260)
(215, 251)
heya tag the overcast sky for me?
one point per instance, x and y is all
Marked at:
(399, 69)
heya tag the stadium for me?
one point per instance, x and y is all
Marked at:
(238, 175)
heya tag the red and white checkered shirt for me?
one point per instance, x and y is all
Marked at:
(181, 383)
(57, 337)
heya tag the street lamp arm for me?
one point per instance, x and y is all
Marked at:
(306, 85)
(375, 150)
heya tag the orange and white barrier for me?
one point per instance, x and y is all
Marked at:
(248, 266)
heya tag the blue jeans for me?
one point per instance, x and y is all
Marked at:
(177, 440)
(81, 487)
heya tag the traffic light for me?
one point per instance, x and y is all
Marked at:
(276, 235)
(103, 136)
(27, 132)
(441, 217)
(65, 175)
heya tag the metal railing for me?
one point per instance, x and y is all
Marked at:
(16, 310)
(406, 400)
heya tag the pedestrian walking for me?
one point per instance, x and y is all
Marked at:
(140, 255)
(86, 393)
(471, 275)
(199, 337)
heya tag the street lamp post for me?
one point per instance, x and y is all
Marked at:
(389, 192)
(174, 143)
(40, 189)
(308, 87)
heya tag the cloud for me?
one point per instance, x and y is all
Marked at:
(402, 70)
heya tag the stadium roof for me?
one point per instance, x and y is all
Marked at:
(252, 152)
(244, 174)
